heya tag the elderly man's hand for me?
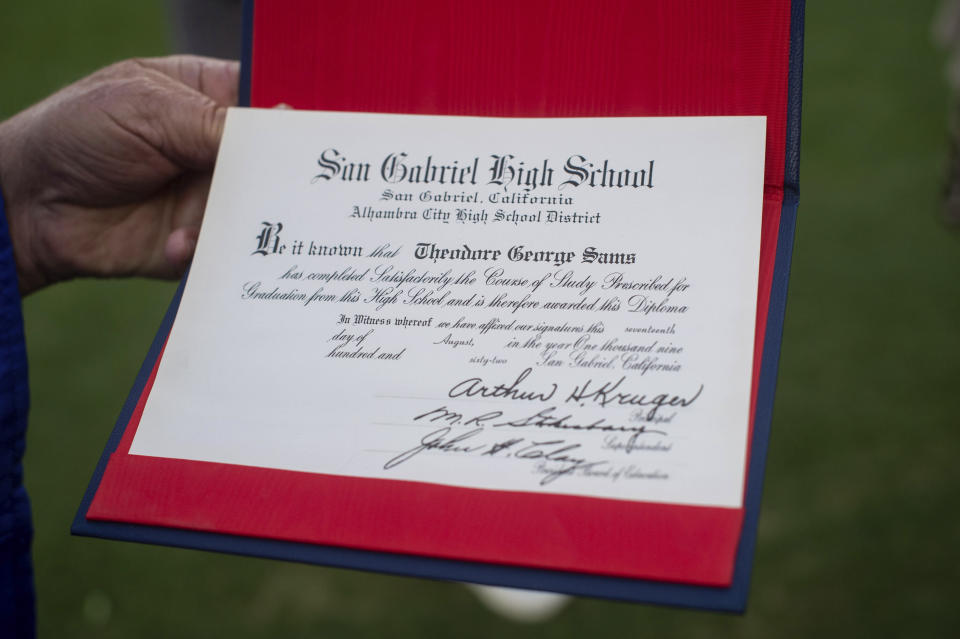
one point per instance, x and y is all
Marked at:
(109, 176)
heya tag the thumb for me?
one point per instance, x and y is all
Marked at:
(187, 124)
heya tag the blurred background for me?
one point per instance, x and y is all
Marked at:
(860, 527)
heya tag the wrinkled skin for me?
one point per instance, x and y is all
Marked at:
(109, 176)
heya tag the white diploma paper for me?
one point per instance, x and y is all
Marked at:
(541, 305)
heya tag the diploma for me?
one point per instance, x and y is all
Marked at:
(537, 353)
(544, 306)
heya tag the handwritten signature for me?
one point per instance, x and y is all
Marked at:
(588, 392)
(556, 451)
(545, 418)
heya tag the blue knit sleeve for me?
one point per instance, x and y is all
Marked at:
(16, 577)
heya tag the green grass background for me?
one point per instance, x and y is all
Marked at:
(860, 525)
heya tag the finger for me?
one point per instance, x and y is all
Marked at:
(180, 246)
(182, 214)
(217, 79)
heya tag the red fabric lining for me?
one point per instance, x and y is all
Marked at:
(536, 58)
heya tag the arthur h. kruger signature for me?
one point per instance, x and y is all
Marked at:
(588, 392)
(557, 451)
